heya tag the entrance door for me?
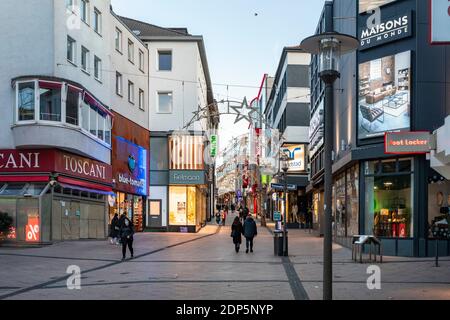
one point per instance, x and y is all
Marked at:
(154, 214)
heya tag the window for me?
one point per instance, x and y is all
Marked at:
(131, 51)
(130, 91)
(165, 102)
(389, 199)
(375, 69)
(97, 21)
(72, 105)
(97, 68)
(141, 99)
(50, 103)
(71, 53)
(141, 61)
(101, 128)
(119, 84)
(186, 152)
(108, 129)
(70, 5)
(26, 101)
(118, 40)
(84, 59)
(165, 60)
(93, 121)
(85, 111)
(84, 11)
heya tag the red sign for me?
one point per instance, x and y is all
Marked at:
(32, 230)
(83, 168)
(408, 142)
(52, 160)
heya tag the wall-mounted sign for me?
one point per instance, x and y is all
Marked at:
(387, 31)
(186, 177)
(82, 167)
(277, 216)
(280, 187)
(316, 129)
(408, 142)
(298, 154)
(439, 21)
(130, 167)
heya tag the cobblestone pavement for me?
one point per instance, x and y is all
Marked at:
(204, 266)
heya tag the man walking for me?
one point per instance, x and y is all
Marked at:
(250, 232)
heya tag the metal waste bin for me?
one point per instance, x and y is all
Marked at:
(278, 238)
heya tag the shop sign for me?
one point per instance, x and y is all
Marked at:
(280, 187)
(130, 167)
(439, 21)
(32, 232)
(387, 31)
(13, 161)
(409, 142)
(277, 216)
(83, 168)
(296, 152)
(187, 177)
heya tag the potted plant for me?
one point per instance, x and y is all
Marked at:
(5, 225)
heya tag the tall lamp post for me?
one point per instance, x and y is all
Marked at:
(284, 167)
(329, 47)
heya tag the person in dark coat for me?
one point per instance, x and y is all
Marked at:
(236, 233)
(126, 234)
(250, 232)
(218, 215)
(114, 233)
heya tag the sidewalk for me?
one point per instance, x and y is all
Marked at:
(401, 278)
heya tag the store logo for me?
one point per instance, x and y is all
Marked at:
(388, 31)
(131, 163)
(296, 154)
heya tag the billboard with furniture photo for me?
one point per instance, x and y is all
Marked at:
(384, 101)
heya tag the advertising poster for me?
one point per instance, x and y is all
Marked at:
(297, 153)
(367, 5)
(384, 95)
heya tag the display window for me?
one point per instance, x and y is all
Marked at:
(132, 206)
(438, 203)
(389, 200)
(182, 206)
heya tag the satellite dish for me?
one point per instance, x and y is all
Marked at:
(137, 32)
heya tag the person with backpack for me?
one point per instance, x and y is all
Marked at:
(250, 232)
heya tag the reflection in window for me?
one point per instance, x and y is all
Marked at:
(14, 189)
(85, 111)
(101, 128)
(93, 122)
(50, 104)
(72, 102)
(26, 100)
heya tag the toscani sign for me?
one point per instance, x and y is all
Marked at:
(387, 31)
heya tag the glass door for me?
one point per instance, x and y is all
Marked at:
(154, 213)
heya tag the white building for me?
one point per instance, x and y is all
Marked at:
(59, 66)
(181, 184)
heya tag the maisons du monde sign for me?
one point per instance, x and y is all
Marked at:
(389, 30)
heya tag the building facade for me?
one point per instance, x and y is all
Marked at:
(395, 82)
(58, 78)
(287, 111)
(181, 179)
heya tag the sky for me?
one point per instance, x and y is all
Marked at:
(243, 38)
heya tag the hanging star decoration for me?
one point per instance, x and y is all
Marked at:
(240, 112)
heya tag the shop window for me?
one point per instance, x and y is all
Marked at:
(50, 103)
(72, 105)
(14, 189)
(34, 189)
(182, 206)
(389, 204)
(26, 101)
(67, 191)
(8, 206)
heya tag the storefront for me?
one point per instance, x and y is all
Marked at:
(187, 200)
(53, 195)
(130, 172)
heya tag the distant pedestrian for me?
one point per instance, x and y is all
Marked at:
(236, 233)
(114, 233)
(218, 217)
(250, 232)
(224, 215)
(126, 234)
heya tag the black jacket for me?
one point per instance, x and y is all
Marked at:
(115, 227)
(125, 231)
(236, 232)
(250, 229)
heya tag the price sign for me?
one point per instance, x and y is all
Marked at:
(32, 230)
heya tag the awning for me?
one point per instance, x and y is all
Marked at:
(85, 186)
(89, 99)
(24, 178)
(50, 84)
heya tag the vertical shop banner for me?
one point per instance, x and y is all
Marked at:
(130, 167)
(32, 229)
(439, 21)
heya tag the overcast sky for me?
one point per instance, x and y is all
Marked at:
(243, 38)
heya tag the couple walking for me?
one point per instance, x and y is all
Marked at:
(249, 230)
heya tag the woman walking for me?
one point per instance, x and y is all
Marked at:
(126, 234)
(236, 233)
(114, 233)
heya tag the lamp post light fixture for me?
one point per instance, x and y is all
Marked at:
(329, 47)
(284, 162)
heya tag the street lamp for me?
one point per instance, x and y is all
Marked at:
(329, 47)
(284, 164)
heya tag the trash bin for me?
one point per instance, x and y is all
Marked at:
(278, 238)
